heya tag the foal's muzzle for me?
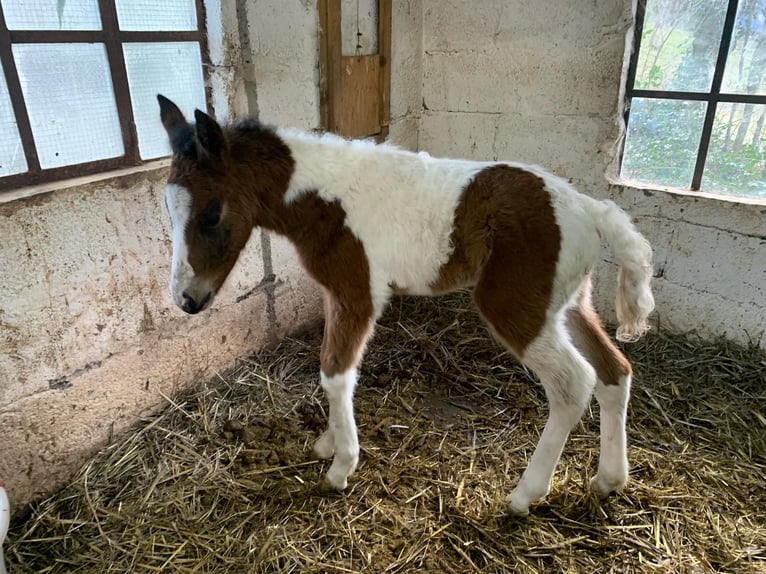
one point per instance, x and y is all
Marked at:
(193, 306)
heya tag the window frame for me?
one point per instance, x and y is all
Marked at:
(713, 96)
(113, 39)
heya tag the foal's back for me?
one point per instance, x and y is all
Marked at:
(428, 224)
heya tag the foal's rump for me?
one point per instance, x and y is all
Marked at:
(584, 224)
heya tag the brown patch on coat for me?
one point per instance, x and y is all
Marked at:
(507, 241)
(249, 180)
(591, 340)
(336, 259)
(471, 238)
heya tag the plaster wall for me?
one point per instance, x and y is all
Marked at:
(89, 338)
(281, 56)
(539, 82)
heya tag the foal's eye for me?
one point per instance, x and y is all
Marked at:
(211, 216)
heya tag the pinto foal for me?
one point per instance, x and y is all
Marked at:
(369, 221)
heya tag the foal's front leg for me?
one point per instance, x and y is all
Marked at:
(347, 329)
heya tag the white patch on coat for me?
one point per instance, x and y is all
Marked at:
(339, 391)
(178, 201)
(400, 205)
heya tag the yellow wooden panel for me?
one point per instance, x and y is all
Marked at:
(359, 111)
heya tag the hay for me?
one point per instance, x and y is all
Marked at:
(221, 481)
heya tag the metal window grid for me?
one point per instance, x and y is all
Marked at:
(113, 38)
(713, 97)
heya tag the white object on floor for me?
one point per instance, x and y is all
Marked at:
(5, 520)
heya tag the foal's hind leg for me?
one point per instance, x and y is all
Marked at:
(612, 392)
(567, 377)
(347, 328)
(568, 380)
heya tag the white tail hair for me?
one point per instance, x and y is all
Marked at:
(633, 254)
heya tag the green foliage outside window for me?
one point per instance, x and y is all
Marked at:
(678, 52)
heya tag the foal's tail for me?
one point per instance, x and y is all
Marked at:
(633, 254)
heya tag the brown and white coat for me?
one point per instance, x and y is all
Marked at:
(369, 221)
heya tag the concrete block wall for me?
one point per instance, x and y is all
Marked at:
(539, 82)
(89, 338)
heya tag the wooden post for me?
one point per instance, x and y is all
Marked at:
(384, 50)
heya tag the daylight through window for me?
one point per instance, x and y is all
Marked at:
(697, 97)
(79, 78)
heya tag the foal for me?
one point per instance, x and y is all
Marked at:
(369, 221)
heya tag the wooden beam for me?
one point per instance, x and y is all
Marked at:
(329, 63)
(385, 13)
(324, 84)
(334, 63)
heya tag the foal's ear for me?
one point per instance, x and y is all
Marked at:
(179, 131)
(170, 115)
(209, 134)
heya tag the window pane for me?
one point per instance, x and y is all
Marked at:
(12, 158)
(662, 141)
(52, 14)
(153, 15)
(173, 69)
(70, 100)
(736, 159)
(746, 64)
(679, 44)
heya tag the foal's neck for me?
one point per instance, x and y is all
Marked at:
(265, 162)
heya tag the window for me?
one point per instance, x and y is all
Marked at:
(696, 97)
(79, 78)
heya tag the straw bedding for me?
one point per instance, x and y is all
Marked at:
(221, 481)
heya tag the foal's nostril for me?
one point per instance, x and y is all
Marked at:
(189, 304)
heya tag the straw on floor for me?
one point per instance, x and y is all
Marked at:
(222, 482)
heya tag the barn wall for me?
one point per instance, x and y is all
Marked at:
(538, 82)
(89, 339)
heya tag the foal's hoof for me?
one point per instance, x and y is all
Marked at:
(516, 507)
(326, 488)
(605, 485)
(518, 512)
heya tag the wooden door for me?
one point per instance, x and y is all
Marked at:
(354, 90)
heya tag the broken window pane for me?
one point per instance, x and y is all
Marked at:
(12, 158)
(662, 141)
(173, 69)
(148, 15)
(52, 14)
(736, 160)
(68, 92)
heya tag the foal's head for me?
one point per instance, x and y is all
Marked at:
(209, 229)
